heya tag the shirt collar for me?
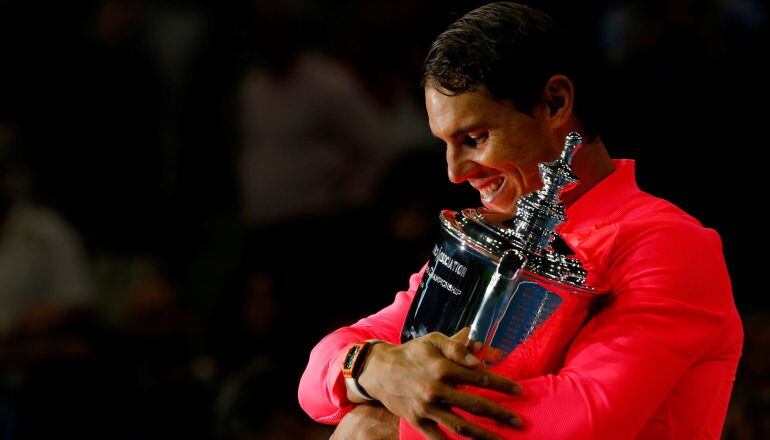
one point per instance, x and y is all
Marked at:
(604, 198)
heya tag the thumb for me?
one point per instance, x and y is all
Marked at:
(454, 348)
(462, 335)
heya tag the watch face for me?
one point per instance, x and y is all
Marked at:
(351, 356)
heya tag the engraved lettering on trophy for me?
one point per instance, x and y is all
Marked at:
(449, 262)
(442, 282)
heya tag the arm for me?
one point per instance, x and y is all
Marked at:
(368, 421)
(322, 391)
(414, 380)
(671, 298)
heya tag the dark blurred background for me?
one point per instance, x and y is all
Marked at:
(193, 193)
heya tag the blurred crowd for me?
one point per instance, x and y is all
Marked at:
(192, 194)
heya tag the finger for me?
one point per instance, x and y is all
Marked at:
(429, 429)
(455, 423)
(480, 406)
(482, 378)
(455, 350)
(475, 346)
(462, 335)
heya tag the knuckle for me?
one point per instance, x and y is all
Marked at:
(460, 428)
(422, 393)
(441, 369)
(431, 393)
(458, 350)
(445, 372)
(476, 407)
(422, 409)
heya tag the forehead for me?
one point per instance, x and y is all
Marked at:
(449, 113)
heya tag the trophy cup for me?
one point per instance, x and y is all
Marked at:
(515, 282)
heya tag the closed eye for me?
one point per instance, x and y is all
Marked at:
(474, 140)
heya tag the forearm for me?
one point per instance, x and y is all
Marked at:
(322, 392)
(367, 421)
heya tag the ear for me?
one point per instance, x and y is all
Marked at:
(559, 96)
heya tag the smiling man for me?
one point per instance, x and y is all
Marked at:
(657, 361)
(496, 147)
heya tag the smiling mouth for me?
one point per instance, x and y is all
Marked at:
(488, 191)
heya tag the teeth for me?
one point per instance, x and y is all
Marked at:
(488, 191)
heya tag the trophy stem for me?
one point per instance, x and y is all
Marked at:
(539, 213)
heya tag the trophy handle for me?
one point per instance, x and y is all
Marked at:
(497, 297)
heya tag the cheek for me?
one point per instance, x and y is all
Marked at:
(532, 178)
(511, 157)
(521, 163)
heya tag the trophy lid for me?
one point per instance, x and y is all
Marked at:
(489, 233)
(474, 229)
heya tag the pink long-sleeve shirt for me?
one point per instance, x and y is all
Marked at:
(657, 362)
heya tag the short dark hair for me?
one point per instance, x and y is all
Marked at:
(510, 49)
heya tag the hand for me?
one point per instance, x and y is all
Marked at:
(367, 422)
(417, 381)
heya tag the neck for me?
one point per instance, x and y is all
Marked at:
(592, 163)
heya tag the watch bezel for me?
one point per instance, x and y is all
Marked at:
(351, 366)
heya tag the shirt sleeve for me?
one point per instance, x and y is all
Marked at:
(322, 393)
(671, 295)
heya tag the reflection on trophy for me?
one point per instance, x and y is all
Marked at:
(513, 281)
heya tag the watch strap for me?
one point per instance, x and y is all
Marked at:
(353, 364)
(356, 389)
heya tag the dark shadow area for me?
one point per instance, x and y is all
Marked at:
(192, 194)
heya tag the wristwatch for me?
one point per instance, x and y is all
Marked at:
(354, 362)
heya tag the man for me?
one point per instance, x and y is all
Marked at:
(657, 361)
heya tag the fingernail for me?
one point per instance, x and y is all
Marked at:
(516, 389)
(472, 360)
(515, 422)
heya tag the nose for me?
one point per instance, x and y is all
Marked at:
(459, 165)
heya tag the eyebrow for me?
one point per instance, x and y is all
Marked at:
(461, 130)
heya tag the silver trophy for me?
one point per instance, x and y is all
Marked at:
(515, 282)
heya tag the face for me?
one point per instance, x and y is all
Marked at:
(491, 145)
